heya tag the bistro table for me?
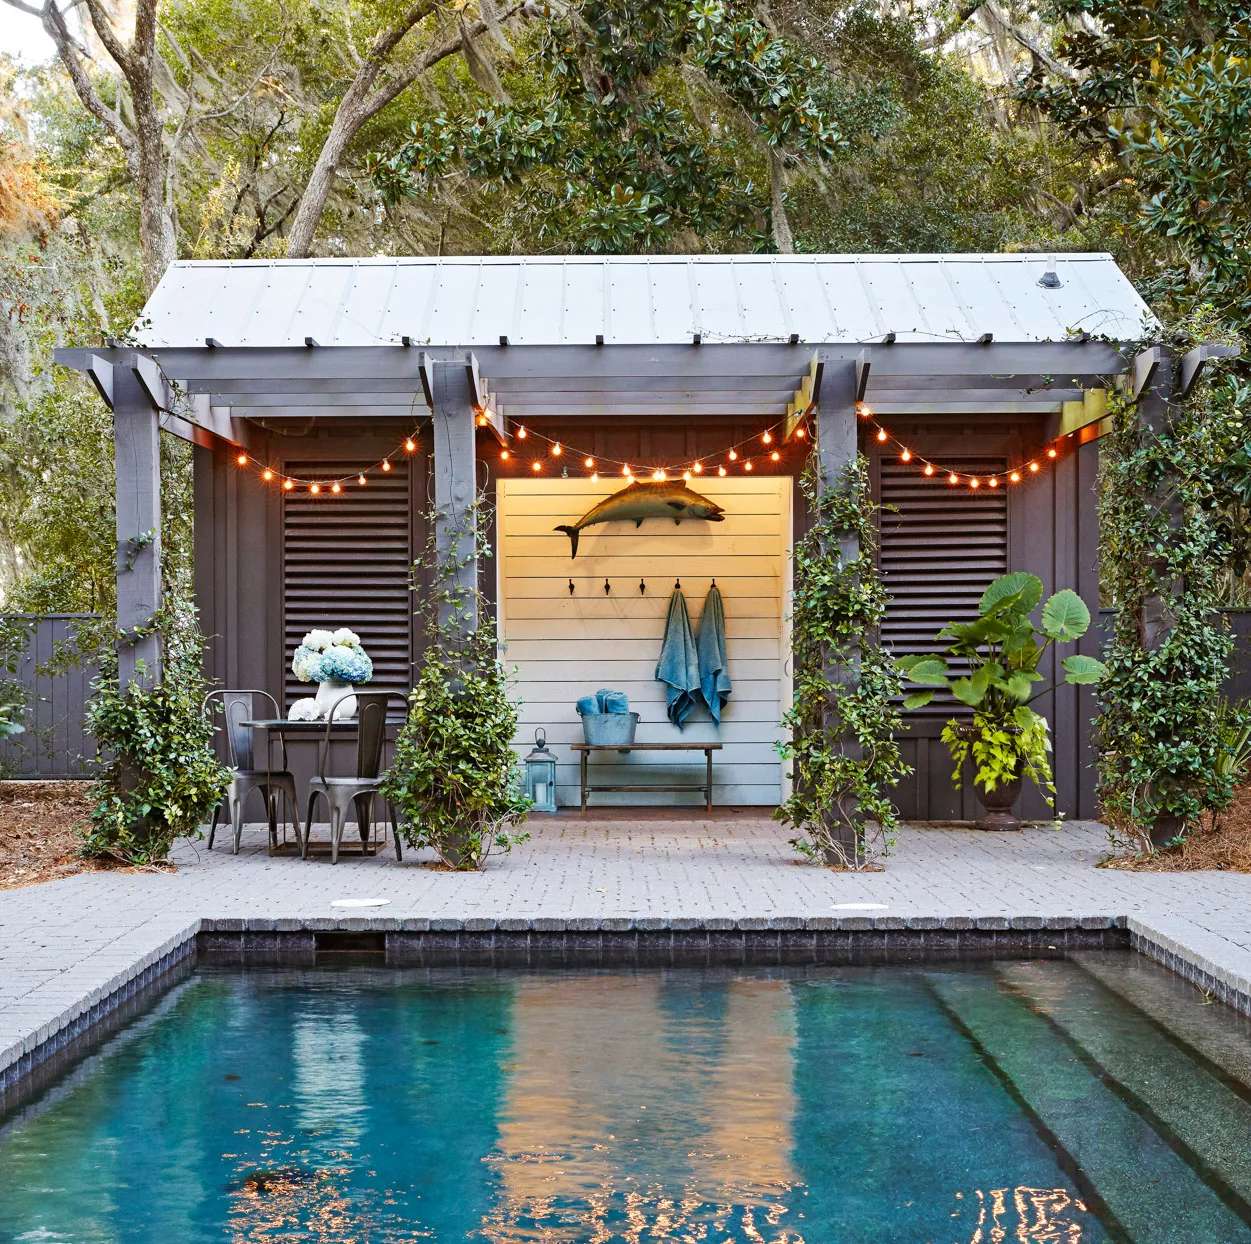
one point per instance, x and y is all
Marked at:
(707, 748)
(285, 726)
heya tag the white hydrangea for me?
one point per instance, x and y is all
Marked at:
(304, 710)
(345, 638)
(319, 641)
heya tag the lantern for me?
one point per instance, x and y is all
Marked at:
(541, 775)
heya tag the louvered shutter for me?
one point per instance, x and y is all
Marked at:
(941, 545)
(346, 560)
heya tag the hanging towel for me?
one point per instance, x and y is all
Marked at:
(679, 663)
(714, 675)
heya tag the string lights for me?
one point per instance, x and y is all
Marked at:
(735, 456)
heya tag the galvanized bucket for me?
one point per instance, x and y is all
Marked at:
(609, 729)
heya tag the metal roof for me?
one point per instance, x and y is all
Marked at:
(638, 300)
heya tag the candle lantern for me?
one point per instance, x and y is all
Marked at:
(541, 775)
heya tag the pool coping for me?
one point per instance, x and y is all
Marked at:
(585, 941)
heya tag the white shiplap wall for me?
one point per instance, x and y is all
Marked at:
(567, 646)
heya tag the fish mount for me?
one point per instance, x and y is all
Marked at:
(645, 499)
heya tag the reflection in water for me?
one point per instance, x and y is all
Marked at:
(647, 1107)
(780, 1106)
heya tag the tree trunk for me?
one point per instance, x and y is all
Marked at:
(781, 226)
(347, 122)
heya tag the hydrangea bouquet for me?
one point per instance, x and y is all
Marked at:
(326, 656)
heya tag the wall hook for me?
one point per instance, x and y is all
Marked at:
(607, 587)
(570, 587)
(642, 588)
(677, 585)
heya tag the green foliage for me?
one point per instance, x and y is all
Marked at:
(1162, 538)
(843, 721)
(453, 780)
(1008, 739)
(608, 160)
(159, 777)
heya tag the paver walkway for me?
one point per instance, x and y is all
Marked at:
(68, 945)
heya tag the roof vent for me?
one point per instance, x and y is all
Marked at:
(1051, 278)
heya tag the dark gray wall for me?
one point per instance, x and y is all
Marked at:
(55, 743)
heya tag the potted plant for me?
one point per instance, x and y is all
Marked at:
(1002, 651)
(335, 660)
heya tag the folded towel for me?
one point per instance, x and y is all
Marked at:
(604, 701)
(678, 666)
(714, 676)
(612, 701)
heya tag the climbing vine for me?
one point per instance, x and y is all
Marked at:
(1164, 536)
(845, 717)
(453, 781)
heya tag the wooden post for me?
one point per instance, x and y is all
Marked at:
(1152, 380)
(836, 451)
(455, 480)
(137, 467)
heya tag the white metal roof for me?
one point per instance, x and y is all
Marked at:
(639, 300)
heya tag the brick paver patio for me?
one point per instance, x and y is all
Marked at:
(71, 945)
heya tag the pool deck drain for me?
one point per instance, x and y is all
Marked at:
(71, 950)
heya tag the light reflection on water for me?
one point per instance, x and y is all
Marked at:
(368, 1106)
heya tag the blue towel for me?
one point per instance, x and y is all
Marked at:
(604, 701)
(714, 677)
(678, 666)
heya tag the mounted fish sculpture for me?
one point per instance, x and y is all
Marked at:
(639, 500)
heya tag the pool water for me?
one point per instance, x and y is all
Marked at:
(1059, 1102)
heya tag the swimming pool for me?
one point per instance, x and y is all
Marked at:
(1078, 1100)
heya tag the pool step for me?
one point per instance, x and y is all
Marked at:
(1142, 1190)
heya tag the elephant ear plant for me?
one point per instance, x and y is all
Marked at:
(1002, 650)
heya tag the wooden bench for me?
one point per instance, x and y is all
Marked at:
(707, 748)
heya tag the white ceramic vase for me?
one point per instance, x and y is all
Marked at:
(328, 692)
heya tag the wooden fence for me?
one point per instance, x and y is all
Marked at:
(55, 743)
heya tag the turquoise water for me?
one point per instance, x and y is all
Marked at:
(1059, 1102)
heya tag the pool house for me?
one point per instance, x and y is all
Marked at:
(334, 404)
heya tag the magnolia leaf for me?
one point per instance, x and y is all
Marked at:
(918, 700)
(1065, 616)
(930, 672)
(1019, 583)
(1083, 670)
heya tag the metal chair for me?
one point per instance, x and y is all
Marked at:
(239, 706)
(341, 793)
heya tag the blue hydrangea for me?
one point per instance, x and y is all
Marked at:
(348, 664)
(337, 654)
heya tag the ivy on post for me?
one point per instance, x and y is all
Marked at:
(845, 715)
(137, 468)
(1163, 554)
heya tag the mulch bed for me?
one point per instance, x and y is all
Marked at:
(40, 834)
(1225, 846)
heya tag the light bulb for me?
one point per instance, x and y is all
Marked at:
(721, 470)
(625, 470)
(386, 466)
(521, 434)
(267, 474)
(733, 455)
(658, 475)
(590, 464)
(881, 434)
(536, 465)
(594, 477)
(242, 460)
(698, 468)
(906, 456)
(1033, 466)
(746, 466)
(777, 457)
(865, 410)
(360, 479)
(686, 475)
(482, 421)
(410, 445)
(335, 487)
(929, 468)
(556, 450)
(288, 484)
(503, 455)
(953, 478)
(974, 482)
(800, 433)
(993, 481)
(314, 489)
(767, 438)
(1051, 453)
(1015, 477)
